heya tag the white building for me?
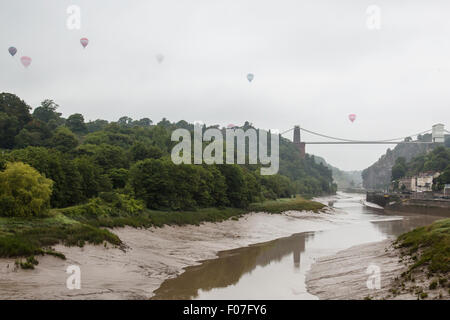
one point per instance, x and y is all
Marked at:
(424, 181)
(437, 133)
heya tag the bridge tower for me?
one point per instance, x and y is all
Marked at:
(298, 142)
(437, 134)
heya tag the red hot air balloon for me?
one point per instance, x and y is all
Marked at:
(352, 117)
(12, 51)
(84, 42)
(26, 61)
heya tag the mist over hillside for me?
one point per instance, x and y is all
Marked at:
(343, 179)
(378, 175)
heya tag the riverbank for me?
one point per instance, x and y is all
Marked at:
(78, 225)
(148, 256)
(415, 266)
(407, 203)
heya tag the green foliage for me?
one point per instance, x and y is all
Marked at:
(46, 112)
(64, 140)
(86, 159)
(118, 177)
(438, 160)
(440, 182)
(57, 166)
(29, 236)
(108, 204)
(431, 244)
(399, 169)
(106, 156)
(75, 123)
(282, 205)
(93, 180)
(14, 115)
(23, 191)
(34, 133)
(141, 151)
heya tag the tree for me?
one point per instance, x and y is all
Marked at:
(399, 168)
(92, 179)
(141, 151)
(440, 182)
(24, 192)
(118, 177)
(97, 125)
(14, 115)
(64, 140)
(144, 122)
(47, 111)
(56, 166)
(125, 121)
(76, 124)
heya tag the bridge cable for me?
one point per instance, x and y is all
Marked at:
(348, 140)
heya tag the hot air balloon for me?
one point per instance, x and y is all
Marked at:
(159, 58)
(231, 126)
(12, 51)
(26, 61)
(352, 117)
(250, 77)
(84, 42)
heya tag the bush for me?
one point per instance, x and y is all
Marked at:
(24, 192)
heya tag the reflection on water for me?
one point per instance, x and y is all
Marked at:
(276, 269)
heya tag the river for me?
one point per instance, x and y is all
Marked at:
(277, 269)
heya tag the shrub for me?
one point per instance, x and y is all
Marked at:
(24, 192)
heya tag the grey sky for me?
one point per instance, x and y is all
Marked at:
(314, 63)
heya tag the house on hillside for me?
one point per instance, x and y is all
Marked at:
(422, 182)
(407, 183)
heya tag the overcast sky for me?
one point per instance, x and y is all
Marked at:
(314, 62)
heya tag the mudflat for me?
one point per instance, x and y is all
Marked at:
(150, 256)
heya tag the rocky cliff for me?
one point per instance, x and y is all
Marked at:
(378, 175)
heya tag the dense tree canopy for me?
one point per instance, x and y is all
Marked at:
(130, 156)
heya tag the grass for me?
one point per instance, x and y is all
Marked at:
(429, 246)
(78, 225)
(33, 236)
(281, 205)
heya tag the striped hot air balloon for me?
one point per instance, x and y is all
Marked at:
(84, 42)
(12, 51)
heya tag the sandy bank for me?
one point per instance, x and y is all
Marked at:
(343, 275)
(151, 256)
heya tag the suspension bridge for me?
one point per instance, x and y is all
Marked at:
(437, 136)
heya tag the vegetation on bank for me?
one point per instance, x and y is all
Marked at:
(282, 205)
(78, 225)
(63, 180)
(429, 246)
(426, 251)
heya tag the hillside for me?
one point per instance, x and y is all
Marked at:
(378, 175)
(132, 157)
(343, 179)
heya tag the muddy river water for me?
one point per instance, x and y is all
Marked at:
(277, 269)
